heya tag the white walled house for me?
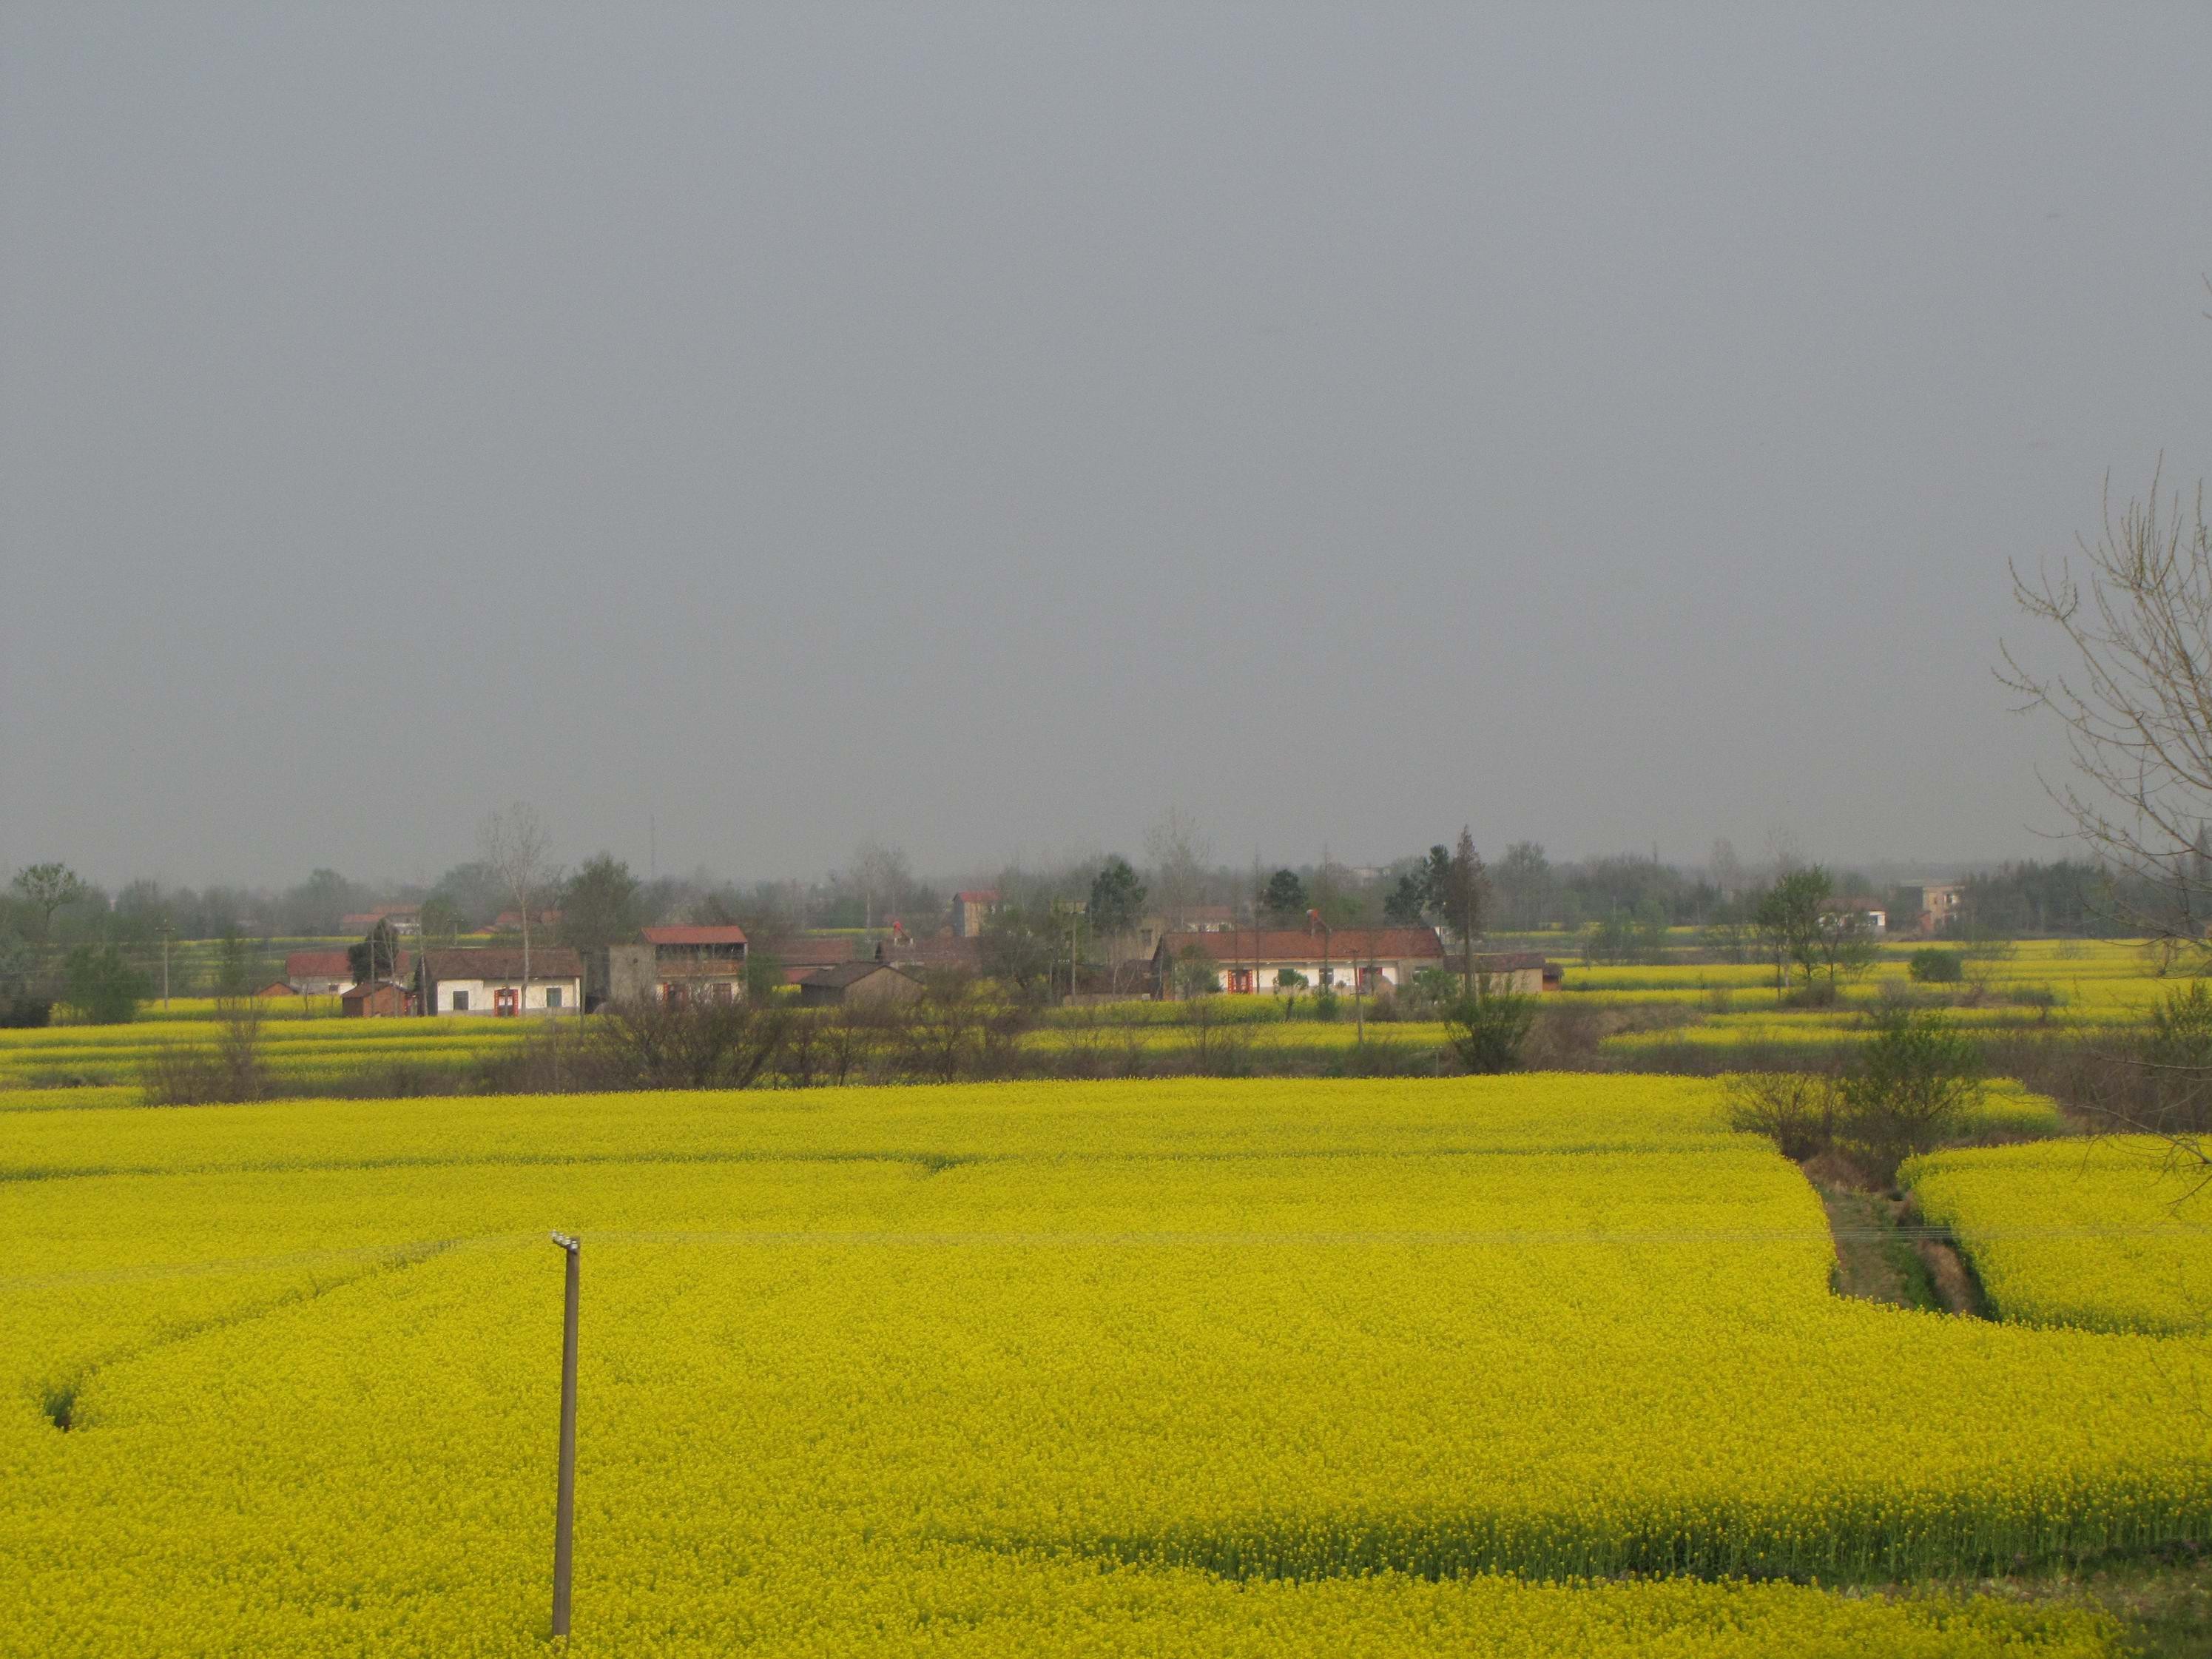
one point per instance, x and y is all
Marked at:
(1254, 960)
(318, 973)
(488, 980)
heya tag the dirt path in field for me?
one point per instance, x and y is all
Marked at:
(1885, 1253)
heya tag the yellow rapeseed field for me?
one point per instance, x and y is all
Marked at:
(1542, 1365)
(2107, 1235)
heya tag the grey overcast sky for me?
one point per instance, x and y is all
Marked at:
(985, 427)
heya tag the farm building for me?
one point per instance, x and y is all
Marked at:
(489, 979)
(1521, 973)
(971, 909)
(676, 965)
(1252, 959)
(276, 987)
(943, 953)
(802, 956)
(318, 973)
(1942, 903)
(382, 1000)
(874, 984)
(1138, 943)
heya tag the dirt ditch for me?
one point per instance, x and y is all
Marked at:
(1886, 1253)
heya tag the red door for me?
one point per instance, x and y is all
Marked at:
(507, 1001)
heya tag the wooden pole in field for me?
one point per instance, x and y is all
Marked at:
(564, 1510)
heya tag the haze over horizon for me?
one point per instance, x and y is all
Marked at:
(987, 428)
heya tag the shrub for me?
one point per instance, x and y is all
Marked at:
(1325, 1004)
(1910, 1087)
(2177, 1054)
(1489, 1032)
(1935, 967)
(233, 1069)
(102, 987)
(23, 1011)
(1796, 1111)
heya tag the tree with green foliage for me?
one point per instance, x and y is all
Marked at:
(1284, 897)
(1290, 981)
(45, 888)
(1788, 918)
(601, 904)
(1406, 903)
(1117, 898)
(375, 956)
(234, 965)
(1844, 943)
(1909, 1088)
(102, 987)
(1462, 887)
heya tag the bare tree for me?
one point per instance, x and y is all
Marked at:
(2135, 700)
(1180, 854)
(2136, 703)
(881, 876)
(514, 843)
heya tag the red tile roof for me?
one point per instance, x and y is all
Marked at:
(941, 952)
(1347, 944)
(318, 964)
(690, 934)
(498, 962)
(810, 952)
(850, 973)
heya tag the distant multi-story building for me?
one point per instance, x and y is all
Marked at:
(971, 910)
(1941, 903)
(679, 964)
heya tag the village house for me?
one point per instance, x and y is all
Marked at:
(802, 956)
(318, 973)
(679, 964)
(1513, 973)
(872, 984)
(1138, 943)
(942, 954)
(489, 979)
(1941, 902)
(1251, 960)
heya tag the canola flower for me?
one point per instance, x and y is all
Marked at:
(1185, 1367)
(2105, 1235)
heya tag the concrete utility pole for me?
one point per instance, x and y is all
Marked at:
(564, 1509)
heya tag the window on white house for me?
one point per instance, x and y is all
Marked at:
(552, 996)
(460, 1003)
